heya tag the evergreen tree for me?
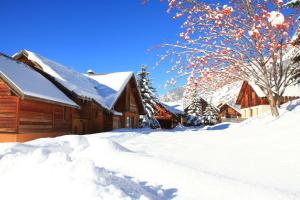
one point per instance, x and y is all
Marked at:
(192, 102)
(195, 108)
(210, 115)
(194, 112)
(149, 99)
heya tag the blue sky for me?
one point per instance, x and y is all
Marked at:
(106, 36)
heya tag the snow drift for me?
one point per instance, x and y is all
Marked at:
(256, 159)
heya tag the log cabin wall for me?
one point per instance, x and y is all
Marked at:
(88, 119)
(128, 105)
(8, 110)
(108, 120)
(165, 118)
(252, 105)
(40, 119)
(228, 112)
(37, 117)
(96, 122)
(249, 98)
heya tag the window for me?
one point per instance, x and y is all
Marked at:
(129, 122)
(66, 114)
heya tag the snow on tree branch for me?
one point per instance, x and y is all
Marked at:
(242, 39)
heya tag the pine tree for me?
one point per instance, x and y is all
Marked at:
(149, 99)
(210, 115)
(194, 112)
(192, 102)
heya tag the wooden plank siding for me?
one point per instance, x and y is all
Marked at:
(129, 104)
(248, 98)
(225, 111)
(38, 117)
(8, 110)
(27, 119)
(88, 119)
(166, 119)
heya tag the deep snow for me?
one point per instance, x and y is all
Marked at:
(257, 159)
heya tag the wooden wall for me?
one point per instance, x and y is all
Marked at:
(41, 117)
(228, 112)
(249, 98)
(165, 118)
(129, 104)
(23, 120)
(8, 110)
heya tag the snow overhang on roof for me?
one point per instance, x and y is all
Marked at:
(290, 91)
(173, 107)
(116, 82)
(75, 82)
(28, 83)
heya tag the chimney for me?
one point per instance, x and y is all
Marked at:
(90, 72)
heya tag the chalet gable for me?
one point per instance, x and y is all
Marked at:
(251, 95)
(27, 83)
(71, 81)
(121, 84)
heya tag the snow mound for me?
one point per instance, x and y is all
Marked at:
(289, 117)
(49, 169)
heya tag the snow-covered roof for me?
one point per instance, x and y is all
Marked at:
(29, 83)
(80, 84)
(173, 107)
(116, 82)
(292, 90)
(233, 106)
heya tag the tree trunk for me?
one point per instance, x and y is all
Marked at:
(273, 101)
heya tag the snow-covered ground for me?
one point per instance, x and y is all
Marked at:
(258, 159)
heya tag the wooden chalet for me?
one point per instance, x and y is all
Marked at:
(124, 99)
(254, 102)
(168, 116)
(30, 105)
(229, 112)
(97, 101)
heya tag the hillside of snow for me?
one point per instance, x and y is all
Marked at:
(227, 94)
(174, 95)
(254, 160)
